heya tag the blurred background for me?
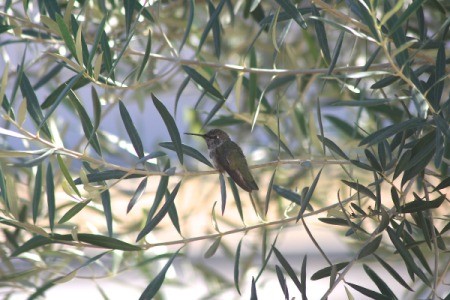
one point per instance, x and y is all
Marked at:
(340, 107)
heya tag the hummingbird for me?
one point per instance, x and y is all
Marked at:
(228, 157)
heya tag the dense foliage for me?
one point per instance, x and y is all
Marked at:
(342, 108)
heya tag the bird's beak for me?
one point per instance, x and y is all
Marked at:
(197, 134)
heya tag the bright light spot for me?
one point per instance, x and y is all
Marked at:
(37, 18)
(112, 138)
(259, 155)
(5, 56)
(113, 22)
(62, 51)
(360, 61)
(194, 40)
(107, 28)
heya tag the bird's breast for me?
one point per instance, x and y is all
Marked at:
(214, 157)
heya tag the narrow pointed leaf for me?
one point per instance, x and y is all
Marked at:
(282, 282)
(88, 128)
(358, 209)
(213, 112)
(131, 130)
(367, 292)
(107, 55)
(66, 35)
(253, 294)
(409, 240)
(212, 20)
(253, 79)
(51, 99)
(74, 210)
(292, 11)
(395, 198)
(129, 9)
(215, 29)
(52, 73)
(50, 196)
(37, 193)
(152, 155)
(97, 107)
(203, 82)
(190, 21)
(370, 248)
(372, 160)
(393, 273)
(326, 272)
(362, 165)
(99, 31)
(154, 286)
(173, 214)
(279, 81)
(171, 127)
(160, 215)
(108, 175)
(160, 192)
(420, 205)
(287, 194)
(384, 82)
(402, 163)
(335, 221)
(33, 243)
(336, 52)
(266, 259)
(66, 174)
(148, 49)
(237, 198)
(213, 248)
(223, 192)
(269, 192)
(3, 190)
(303, 278)
(143, 11)
(361, 189)
(440, 75)
(406, 14)
(404, 253)
(390, 130)
(99, 240)
(321, 35)
(33, 106)
(443, 184)
(189, 151)
(236, 266)
(341, 125)
(333, 147)
(35, 161)
(179, 92)
(442, 124)
(308, 196)
(278, 139)
(287, 267)
(106, 203)
(137, 194)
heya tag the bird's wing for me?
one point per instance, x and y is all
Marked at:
(229, 150)
(237, 168)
